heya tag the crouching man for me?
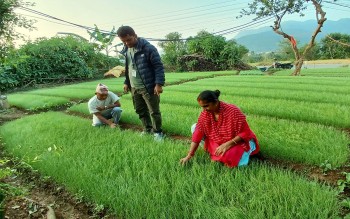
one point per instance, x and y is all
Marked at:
(104, 106)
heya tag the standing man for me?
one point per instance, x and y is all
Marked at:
(104, 106)
(144, 77)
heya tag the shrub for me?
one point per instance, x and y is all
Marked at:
(54, 60)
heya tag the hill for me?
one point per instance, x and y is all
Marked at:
(264, 39)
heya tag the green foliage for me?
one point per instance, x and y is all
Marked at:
(173, 49)
(264, 8)
(53, 60)
(344, 183)
(104, 40)
(8, 78)
(346, 203)
(325, 167)
(208, 45)
(331, 49)
(221, 53)
(232, 54)
(9, 22)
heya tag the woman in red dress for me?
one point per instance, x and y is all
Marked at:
(226, 133)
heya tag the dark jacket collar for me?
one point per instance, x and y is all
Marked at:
(141, 43)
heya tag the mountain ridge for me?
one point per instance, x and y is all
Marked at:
(265, 40)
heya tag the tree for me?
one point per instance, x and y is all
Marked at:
(232, 53)
(173, 49)
(278, 9)
(9, 21)
(208, 45)
(335, 46)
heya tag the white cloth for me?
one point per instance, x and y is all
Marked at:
(94, 103)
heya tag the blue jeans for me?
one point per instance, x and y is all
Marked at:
(114, 113)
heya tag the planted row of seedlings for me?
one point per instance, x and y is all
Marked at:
(320, 72)
(297, 95)
(137, 177)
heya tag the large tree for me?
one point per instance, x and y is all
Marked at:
(173, 48)
(278, 9)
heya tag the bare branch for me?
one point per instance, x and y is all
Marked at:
(337, 41)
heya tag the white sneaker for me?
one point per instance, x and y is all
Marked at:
(143, 133)
(159, 136)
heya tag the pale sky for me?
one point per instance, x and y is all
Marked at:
(155, 18)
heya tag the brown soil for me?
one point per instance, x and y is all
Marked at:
(44, 196)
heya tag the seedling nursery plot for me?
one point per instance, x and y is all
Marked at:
(319, 96)
(49, 97)
(324, 72)
(34, 102)
(137, 177)
(173, 78)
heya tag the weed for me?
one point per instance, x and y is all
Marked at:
(342, 184)
(325, 167)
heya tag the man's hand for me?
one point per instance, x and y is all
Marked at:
(126, 88)
(100, 108)
(158, 89)
(112, 125)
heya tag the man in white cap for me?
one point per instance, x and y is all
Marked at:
(104, 106)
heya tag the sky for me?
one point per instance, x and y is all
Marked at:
(155, 18)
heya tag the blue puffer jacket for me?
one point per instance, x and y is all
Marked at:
(148, 64)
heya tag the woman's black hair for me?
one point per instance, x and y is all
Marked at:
(209, 96)
(123, 31)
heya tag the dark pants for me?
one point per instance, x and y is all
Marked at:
(146, 106)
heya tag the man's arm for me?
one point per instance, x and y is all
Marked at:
(115, 104)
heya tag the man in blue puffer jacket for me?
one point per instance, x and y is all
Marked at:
(144, 77)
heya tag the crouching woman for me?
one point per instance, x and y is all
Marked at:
(226, 133)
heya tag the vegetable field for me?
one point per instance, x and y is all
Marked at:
(298, 120)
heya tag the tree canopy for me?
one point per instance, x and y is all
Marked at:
(205, 51)
(9, 21)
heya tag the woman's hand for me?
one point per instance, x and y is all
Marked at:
(184, 160)
(223, 148)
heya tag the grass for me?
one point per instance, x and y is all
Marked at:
(139, 178)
